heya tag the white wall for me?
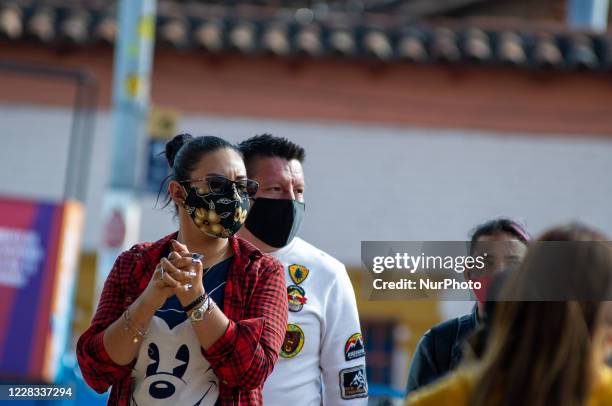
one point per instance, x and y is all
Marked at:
(363, 182)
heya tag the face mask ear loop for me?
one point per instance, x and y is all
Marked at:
(185, 197)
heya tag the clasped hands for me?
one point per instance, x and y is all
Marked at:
(179, 274)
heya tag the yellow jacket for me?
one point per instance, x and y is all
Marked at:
(455, 390)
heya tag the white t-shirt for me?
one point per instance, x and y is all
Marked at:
(322, 360)
(170, 368)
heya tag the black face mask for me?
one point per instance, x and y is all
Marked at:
(275, 221)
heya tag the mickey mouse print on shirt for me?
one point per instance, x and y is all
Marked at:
(170, 368)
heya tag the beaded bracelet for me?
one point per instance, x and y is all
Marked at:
(199, 300)
(138, 334)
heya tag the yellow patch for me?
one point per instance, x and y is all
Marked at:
(298, 273)
(294, 341)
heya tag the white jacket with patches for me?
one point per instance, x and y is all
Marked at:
(313, 368)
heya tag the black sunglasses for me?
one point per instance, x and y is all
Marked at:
(221, 184)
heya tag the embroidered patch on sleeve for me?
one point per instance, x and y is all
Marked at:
(353, 383)
(354, 348)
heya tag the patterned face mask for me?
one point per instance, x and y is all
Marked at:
(218, 215)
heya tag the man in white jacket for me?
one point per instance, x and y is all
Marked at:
(322, 360)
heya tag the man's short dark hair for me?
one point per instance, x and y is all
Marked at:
(269, 146)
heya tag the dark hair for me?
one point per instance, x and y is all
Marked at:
(501, 225)
(569, 232)
(267, 145)
(477, 342)
(573, 232)
(540, 352)
(184, 151)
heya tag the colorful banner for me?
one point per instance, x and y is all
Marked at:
(39, 246)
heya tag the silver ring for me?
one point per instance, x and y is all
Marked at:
(161, 272)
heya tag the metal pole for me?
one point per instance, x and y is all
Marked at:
(589, 15)
(131, 82)
(131, 78)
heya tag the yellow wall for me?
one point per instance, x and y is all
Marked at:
(85, 288)
(417, 315)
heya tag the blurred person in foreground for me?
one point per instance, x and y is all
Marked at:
(475, 344)
(440, 349)
(543, 353)
(198, 317)
(323, 355)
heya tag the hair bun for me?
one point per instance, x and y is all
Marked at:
(174, 145)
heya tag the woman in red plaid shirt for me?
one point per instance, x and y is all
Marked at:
(198, 317)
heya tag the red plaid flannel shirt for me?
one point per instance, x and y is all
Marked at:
(255, 302)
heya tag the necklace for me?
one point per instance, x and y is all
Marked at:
(218, 255)
(217, 260)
